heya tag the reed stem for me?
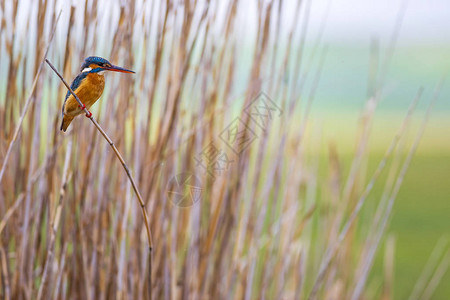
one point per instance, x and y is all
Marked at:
(125, 166)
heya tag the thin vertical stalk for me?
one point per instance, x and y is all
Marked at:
(28, 102)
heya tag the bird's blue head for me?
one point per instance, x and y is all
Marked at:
(95, 64)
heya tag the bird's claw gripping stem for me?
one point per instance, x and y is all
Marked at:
(88, 114)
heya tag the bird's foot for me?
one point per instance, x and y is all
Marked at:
(88, 114)
(82, 107)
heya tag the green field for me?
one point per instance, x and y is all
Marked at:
(420, 214)
(420, 219)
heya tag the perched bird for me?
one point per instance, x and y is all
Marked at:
(88, 86)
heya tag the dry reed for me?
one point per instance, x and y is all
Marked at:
(263, 221)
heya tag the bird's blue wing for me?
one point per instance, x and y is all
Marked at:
(75, 84)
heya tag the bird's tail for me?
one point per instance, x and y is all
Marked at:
(65, 122)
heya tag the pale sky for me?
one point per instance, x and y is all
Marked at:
(425, 20)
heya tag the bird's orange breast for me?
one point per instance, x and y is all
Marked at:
(89, 91)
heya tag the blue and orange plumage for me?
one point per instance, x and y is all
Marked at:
(88, 86)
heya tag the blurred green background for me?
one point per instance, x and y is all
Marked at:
(421, 59)
(421, 212)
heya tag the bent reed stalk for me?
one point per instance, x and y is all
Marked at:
(125, 166)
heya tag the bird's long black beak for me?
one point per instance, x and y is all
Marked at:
(118, 69)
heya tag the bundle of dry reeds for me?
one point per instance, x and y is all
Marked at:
(215, 129)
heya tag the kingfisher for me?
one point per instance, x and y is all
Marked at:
(88, 86)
